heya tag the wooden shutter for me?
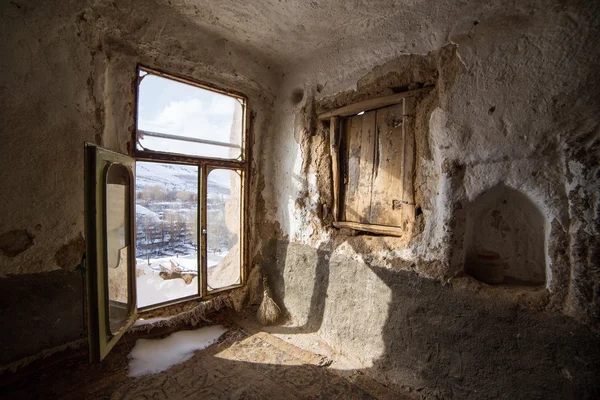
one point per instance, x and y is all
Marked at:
(377, 168)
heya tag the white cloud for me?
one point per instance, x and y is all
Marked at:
(191, 118)
(222, 105)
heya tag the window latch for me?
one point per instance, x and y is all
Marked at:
(397, 204)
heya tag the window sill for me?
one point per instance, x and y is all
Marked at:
(185, 301)
(379, 229)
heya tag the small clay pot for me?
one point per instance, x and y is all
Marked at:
(490, 267)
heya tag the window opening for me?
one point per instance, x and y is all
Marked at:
(223, 224)
(179, 117)
(166, 208)
(192, 160)
(166, 223)
(372, 156)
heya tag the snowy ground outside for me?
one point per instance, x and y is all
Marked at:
(166, 209)
(153, 289)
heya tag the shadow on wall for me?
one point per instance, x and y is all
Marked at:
(440, 341)
(275, 264)
(450, 344)
(39, 311)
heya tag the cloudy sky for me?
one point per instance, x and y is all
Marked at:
(172, 107)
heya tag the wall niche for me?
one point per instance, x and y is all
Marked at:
(505, 239)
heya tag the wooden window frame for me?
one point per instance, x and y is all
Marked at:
(335, 118)
(205, 166)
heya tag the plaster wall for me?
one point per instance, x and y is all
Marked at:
(67, 77)
(516, 104)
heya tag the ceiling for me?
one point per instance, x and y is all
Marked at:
(293, 31)
(296, 37)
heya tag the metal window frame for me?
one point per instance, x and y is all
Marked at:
(101, 339)
(205, 165)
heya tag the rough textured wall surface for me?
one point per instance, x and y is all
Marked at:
(39, 311)
(515, 104)
(67, 77)
(434, 340)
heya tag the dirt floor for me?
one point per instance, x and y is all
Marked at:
(245, 364)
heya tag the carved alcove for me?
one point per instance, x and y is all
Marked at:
(507, 224)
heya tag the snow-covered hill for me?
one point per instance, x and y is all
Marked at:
(175, 177)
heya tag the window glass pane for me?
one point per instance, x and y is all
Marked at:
(223, 228)
(168, 108)
(117, 240)
(167, 240)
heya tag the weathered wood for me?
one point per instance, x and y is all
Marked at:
(408, 132)
(379, 229)
(344, 155)
(372, 104)
(367, 159)
(387, 180)
(334, 127)
(354, 147)
(375, 169)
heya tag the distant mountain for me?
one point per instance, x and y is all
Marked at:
(176, 177)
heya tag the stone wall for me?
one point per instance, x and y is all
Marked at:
(67, 77)
(432, 339)
(515, 104)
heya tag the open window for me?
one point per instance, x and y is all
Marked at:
(110, 243)
(372, 146)
(166, 224)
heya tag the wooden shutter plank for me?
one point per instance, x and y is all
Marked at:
(388, 177)
(334, 128)
(408, 131)
(372, 104)
(379, 229)
(344, 154)
(354, 133)
(376, 160)
(367, 155)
